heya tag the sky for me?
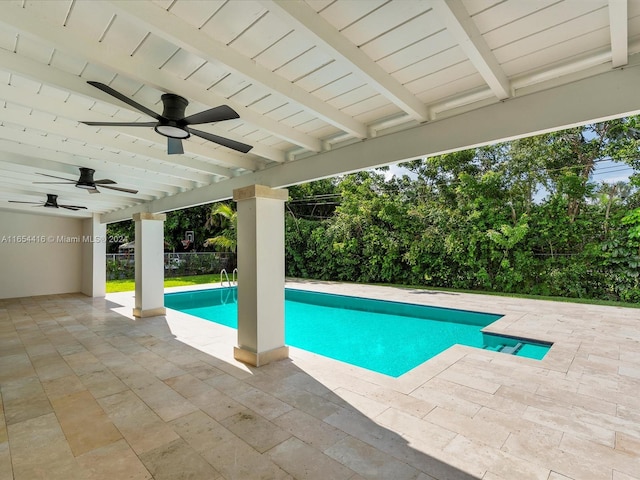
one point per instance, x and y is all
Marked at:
(606, 171)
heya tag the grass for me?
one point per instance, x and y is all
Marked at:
(127, 285)
(114, 286)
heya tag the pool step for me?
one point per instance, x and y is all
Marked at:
(511, 350)
(494, 348)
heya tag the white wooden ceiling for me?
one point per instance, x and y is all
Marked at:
(321, 87)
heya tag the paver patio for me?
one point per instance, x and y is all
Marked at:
(87, 392)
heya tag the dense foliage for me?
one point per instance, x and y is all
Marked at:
(205, 221)
(212, 249)
(522, 217)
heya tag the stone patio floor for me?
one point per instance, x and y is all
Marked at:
(87, 392)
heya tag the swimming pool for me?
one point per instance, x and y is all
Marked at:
(383, 336)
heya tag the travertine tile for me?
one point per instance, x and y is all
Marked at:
(6, 470)
(309, 429)
(24, 398)
(362, 403)
(114, 461)
(234, 459)
(257, 431)
(557, 476)
(623, 476)
(264, 404)
(156, 364)
(62, 386)
(475, 428)
(84, 423)
(15, 367)
(139, 425)
(3, 423)
(478, 458)
(165, 401)
(445, 398)
(317, 406)
(425, 435)
(83, 362)
(50, 367)
(628, 444)
(304, 462)
(188, 385)
(368, 462)
(39, 450)
(570, 424)
(201, 431)
(178, 461)
(102, 383)
(469, 379)
(593, 452)
(216, 404)
(542, 450)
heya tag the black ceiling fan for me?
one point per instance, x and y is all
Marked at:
(87, 182)
(52, 202)
(173, 124)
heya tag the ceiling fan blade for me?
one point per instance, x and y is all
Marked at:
(93, 190)
(104, 181)
(56, 183)
(120, 189)
(53, 176)
(174, 146)
(72, 207)
(121, 124)
(18, 201)
(217, 114)
(225, 142)
(127, 100)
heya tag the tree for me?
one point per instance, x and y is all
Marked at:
(124, 231)
(193, 219)
(477, 219)
(225, 218)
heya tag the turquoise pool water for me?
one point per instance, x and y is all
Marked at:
(386, 337)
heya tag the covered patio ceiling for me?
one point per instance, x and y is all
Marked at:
(322, 87)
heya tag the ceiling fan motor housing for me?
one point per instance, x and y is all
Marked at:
(173, 125)
(52, 201)
(86, 178)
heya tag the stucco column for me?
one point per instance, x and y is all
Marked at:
(149, 253)
(94, 249)
(260, 275)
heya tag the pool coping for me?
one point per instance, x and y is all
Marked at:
(409, 381)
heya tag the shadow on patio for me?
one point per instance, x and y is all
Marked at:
(90, 393)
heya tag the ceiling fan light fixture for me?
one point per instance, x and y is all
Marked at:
(172, 131)
(86, 186)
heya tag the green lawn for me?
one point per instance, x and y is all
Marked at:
(114, 286)
(128, 285)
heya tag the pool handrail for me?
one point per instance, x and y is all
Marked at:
(226, 275)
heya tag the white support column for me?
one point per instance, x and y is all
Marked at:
(94, 249)
(149, 254)
(261, 275)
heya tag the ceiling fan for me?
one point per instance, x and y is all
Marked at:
(52, 202)
(173, 124)
(87, 182)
